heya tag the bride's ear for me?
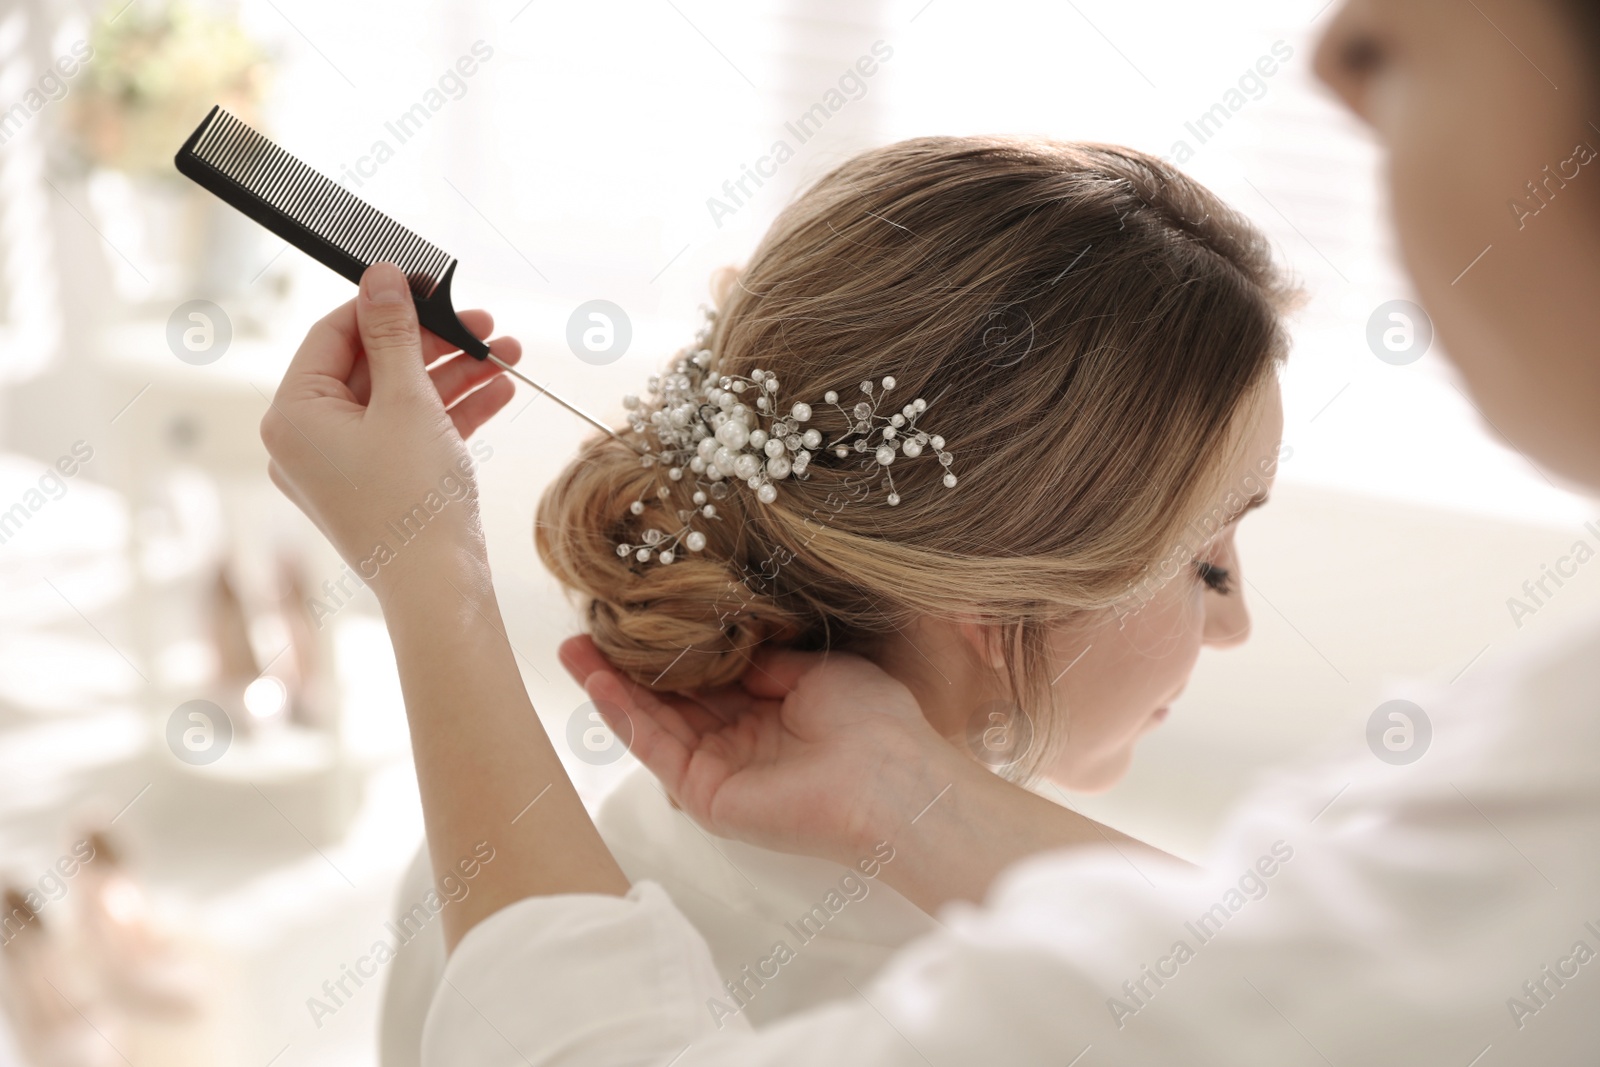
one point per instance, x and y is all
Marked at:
(986, 640)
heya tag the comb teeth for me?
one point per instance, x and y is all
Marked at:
(303, 206)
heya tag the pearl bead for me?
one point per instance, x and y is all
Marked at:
(697, 465)
(637, 507)
(667, 556)
(888, 381)
(841, 451)
(706, 447)
(709, 511)
(737, 387)
(757, 374)
(801, 412)
(774, 447)
(811, 438)
(831, 397)
(772, 384)
(724, 459)
(778, 467)
(696, 540)
(897, 420)
(699, 496)
(624, 549)
(920, 404)
(663, 492)
(746, 465)
(912, 448)
(888, 433)
(767, 494)
(733, 434)
(758, 439)
(885, 455)
(642, 555)
(725, 401)
(675, 473)
(936, 441)
(949, 481)
(894, 498)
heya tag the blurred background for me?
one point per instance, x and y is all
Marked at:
(206, 799)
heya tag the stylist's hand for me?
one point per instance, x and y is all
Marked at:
(818, 754)
(364, 435)
(827, 755)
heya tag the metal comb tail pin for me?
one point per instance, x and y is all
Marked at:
(331, 225)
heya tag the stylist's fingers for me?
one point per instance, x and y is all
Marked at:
(481, 323)
(581, 657)
(661, 750)
(457, 376)
(391, 337)
(665, 711)
(478, 408)
(326, 359)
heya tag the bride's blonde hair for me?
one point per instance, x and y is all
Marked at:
(1085, 321)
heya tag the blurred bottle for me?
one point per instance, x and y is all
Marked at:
(49, 1009)
(141, 967)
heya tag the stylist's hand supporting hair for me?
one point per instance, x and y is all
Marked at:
(361, 434)
(826, 754)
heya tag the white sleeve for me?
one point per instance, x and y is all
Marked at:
(1442, 911)
(610, 981)
(1393, 934)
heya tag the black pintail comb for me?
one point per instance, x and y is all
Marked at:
(330, 224)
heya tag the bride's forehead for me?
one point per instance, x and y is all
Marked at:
(1254, 465)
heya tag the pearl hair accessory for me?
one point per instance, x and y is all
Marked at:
(716, 430)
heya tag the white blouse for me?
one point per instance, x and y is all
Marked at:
(784, 932)
(1445, 911)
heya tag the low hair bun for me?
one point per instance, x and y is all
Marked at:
(688, 624)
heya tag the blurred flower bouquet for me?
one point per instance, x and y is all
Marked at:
(157, 69)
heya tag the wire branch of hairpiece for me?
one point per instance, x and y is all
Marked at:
(709, 435)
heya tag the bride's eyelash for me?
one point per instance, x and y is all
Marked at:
(1217, 579)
